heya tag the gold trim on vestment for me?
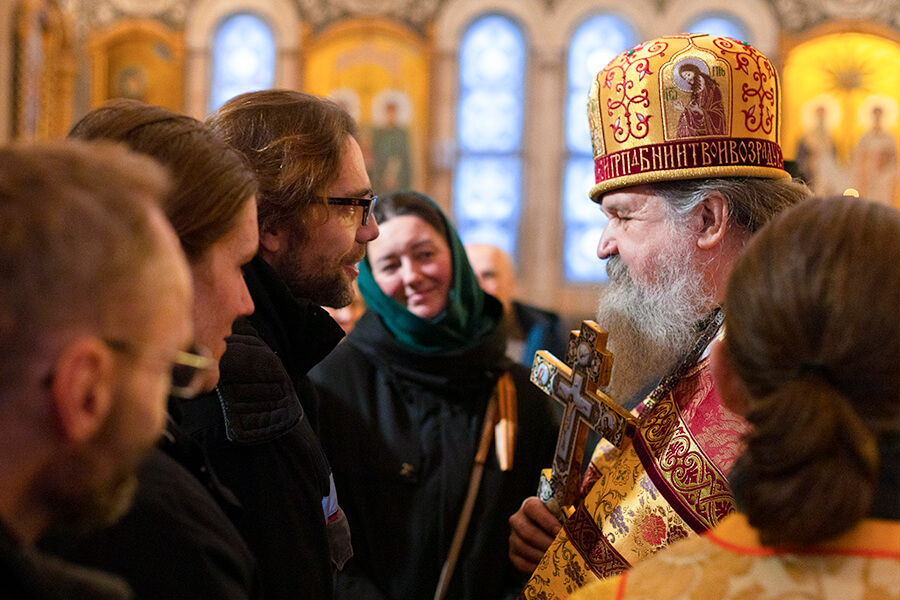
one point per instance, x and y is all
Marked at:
(634, 516)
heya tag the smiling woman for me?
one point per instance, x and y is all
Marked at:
(412, 265)
(414, 389)
(410, 273)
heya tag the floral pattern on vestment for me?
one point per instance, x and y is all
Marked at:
(627, 515)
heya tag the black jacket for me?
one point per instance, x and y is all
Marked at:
(30, 575)
(176, 541)
(300, 332)
(401, 431)
(259, 436)
(542, 330)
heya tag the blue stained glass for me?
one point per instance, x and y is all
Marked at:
(490, 121)
(584, 224)
(494, 234)
(579, 179)
(578, 130)
(596, 42)
(492, 54)
(720, 24)
(243, 58)
(487, 189)
(582, 264)
(488, 180)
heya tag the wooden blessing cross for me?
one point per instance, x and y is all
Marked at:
(573, 384)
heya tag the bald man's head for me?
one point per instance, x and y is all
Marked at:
(495, 271)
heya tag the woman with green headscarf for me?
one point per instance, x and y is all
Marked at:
(408, 402)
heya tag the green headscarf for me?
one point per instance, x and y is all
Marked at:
(466, 320)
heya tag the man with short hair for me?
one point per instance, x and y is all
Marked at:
(681, 206)
(180, 513)
(529, 328)
(314, 206)
(95, 309)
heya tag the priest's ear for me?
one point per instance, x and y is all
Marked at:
(712, 220)
(734, 394)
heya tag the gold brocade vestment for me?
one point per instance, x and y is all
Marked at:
(730, 563)
(669, 483)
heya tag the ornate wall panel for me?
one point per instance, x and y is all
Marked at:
(379, 71)
(841, 112)
(138, 59)
(44, 71)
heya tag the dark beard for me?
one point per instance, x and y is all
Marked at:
(652, 329)
(324, 291)
(310, 281)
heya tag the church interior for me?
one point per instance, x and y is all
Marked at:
(481, 104)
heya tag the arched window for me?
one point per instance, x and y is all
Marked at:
(596, 42)
(487, 186)
(720, 24)
(243, 58)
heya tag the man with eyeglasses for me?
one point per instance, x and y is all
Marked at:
(259, 428)
(95, 317)
(182, 516)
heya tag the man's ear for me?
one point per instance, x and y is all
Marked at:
(713, 216)
(271, 241)
(82, 388)
(731, 389)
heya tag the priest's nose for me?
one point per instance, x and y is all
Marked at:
(607, 246)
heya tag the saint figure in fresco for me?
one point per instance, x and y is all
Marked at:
(392, 168)
(817, 157)
(705, 112)
(875, 162)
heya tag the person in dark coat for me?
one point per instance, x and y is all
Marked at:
(259, 427)
(179, 540)
(262, 444)
(406, 401)
(529, 328)
(95, 312)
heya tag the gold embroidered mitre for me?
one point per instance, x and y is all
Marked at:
(685, 107)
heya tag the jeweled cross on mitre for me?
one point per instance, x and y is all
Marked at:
(574, 384)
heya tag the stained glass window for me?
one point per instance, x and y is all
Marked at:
(722, 25)
(243, 58)
(596, 42)
(488, 180)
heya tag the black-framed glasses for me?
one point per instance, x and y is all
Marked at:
(367, 205)
(187, 366)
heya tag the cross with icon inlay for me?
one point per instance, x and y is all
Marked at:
(574, 384)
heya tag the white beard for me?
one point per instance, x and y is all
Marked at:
(651, 326)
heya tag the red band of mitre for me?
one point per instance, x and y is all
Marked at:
(688, 159)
